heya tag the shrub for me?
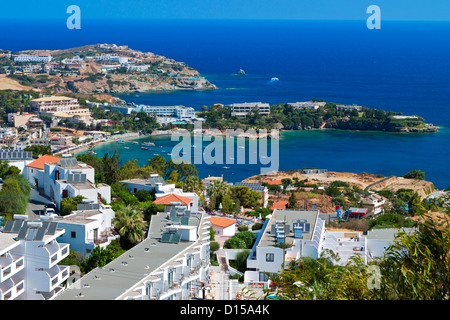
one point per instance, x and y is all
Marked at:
(242, 228)
(214, 246)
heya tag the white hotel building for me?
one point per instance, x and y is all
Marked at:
(54, 104)
(172, 263)
(44, 58)
(242, 110)
(29, 257)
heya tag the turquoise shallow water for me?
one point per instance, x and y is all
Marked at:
(374, 152)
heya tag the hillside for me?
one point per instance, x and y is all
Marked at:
(102, 68)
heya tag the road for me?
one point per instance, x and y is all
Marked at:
(34, 209)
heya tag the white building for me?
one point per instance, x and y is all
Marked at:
(243, 109)
(348, 107)
(301, 232)
(69, 178)
(223, 226)
(165, 193)
(29, 257)
(172, 263)
(375, 203)
(307, 105)
(179, 113)
(45, 58)
(34, 171)
(87, 227)
(153, 183)
(50, 105)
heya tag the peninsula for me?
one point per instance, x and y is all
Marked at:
(98, 69)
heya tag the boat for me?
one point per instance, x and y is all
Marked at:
(144, 148)
(135, 142)
(148, 144)
(241, 72)
(274, 79)
(126, 147)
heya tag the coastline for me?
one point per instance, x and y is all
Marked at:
(129, 136)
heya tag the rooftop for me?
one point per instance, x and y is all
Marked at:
(279, 205)
(55, 98)
(221, 222)
(134, 266)
(255, 186)
(171, 198)
(387, 234)
(40, 162)
(288, 216)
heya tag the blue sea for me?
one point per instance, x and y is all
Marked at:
(402, 67)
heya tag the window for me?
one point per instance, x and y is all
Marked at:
(73, 234)
(269, 257)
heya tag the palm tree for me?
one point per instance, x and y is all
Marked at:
(130, 223)
(193, 184)
(216, 191)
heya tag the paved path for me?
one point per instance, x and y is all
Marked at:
(34, 210)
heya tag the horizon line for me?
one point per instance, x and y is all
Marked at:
(219, 19)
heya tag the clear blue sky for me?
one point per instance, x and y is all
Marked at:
(228, 9)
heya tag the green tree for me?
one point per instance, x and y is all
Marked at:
(245, 197)
(100, 257)
(70, 204)
(216, 191)
(292, 201)
(415, 174)
(417, 265)
(130, 224)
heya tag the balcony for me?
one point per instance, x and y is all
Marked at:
(54, 251)
(10, 264)
(52, 278)
(11, 288)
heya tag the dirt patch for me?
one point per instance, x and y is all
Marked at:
(11, 84)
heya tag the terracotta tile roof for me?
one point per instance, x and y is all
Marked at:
(39, 163)
(279, 205)
(273, 182)
(221, 222)
(168, 199)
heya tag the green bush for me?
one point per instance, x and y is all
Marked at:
(70, 204)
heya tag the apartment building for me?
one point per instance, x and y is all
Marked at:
(375, 203)
(177, 112)
(287, 236)
(348, 107)
(307, 105)
(172, 263)
(43, 57)
(87, 227)
(242, 110)
(29, 257)
(56, 104)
